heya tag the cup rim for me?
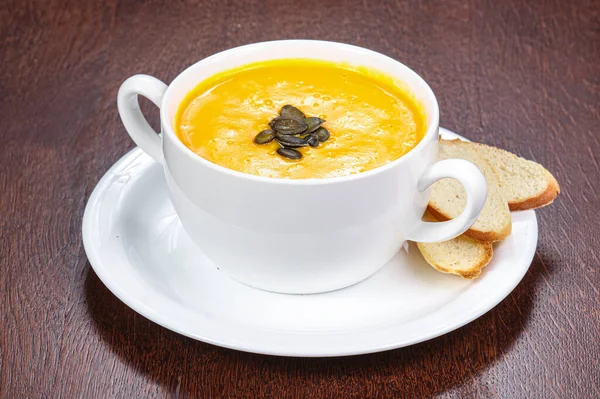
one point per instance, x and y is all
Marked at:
(430, 134)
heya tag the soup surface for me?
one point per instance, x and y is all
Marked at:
(372, 120)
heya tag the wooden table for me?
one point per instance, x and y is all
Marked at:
(524, 76)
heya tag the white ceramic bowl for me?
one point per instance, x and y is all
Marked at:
(299, 236)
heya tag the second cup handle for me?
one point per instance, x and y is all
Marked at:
(476, 187)
(129, 108)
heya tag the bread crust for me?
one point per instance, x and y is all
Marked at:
(469, 274)
(545, 198)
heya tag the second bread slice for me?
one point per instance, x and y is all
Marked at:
(448, 197)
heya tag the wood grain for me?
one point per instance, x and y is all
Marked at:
(524, 76)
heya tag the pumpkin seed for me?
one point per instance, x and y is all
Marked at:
(291, 141)
(264, 137)
(313, 123)
(322, 134)
(313, 141)
(289, 126)
(273, 121)
(291, 112)
(289, 153)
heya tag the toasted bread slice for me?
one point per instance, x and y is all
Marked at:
(462, 255)
(448, 197)
(525, 184)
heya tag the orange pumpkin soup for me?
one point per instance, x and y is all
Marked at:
(371, 119)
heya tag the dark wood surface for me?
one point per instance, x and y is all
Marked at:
(521, 75)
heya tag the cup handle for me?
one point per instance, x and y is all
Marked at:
(475, 185)
(131, 115)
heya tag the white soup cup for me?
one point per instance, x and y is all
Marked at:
(299, 236)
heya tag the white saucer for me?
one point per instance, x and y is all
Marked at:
(138, 248)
